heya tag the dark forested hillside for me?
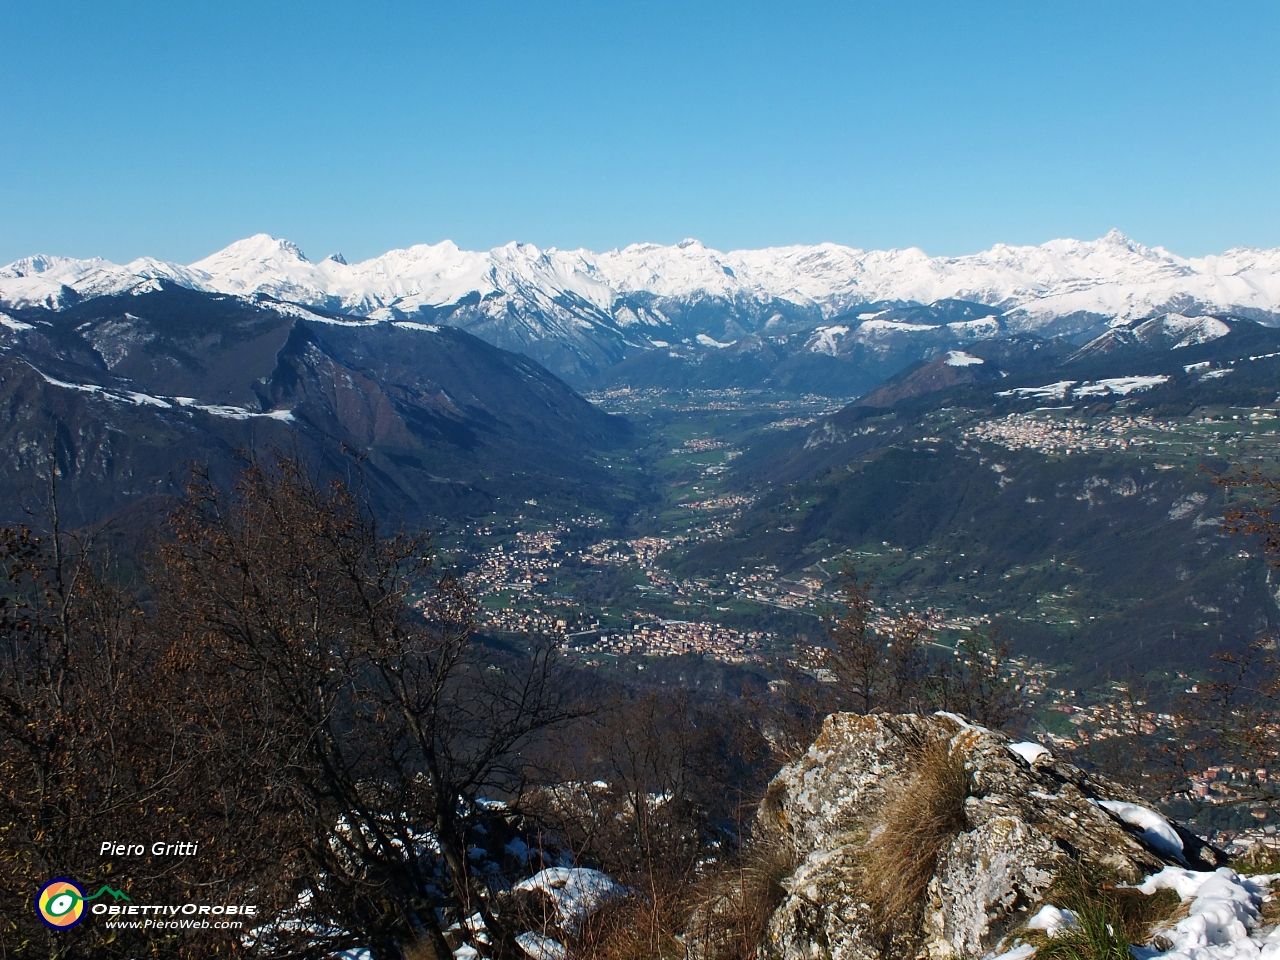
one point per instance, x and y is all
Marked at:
(125, 390)
(1069, 491)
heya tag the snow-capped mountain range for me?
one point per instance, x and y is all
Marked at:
(581, 311)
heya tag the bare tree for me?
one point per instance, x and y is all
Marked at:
(857, 656)
(86, 750)
(1232, 715)
(347, 715)
(899, 667)
(974, 681)
(659, 793)
(906, 663)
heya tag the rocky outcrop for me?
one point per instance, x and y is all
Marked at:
(1027, 816)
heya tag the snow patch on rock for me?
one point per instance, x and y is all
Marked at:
(826, 339)
(707, 341)
(1157, 832)
(1050, 391)
(1030, 751)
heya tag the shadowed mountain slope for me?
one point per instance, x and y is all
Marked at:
(127, 389)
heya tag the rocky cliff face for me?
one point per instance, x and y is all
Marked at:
(1021, 818)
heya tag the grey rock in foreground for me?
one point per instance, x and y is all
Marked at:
(1024, 822)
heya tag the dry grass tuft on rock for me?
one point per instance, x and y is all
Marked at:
(737, 902)
(919, 819)
(721, 917)
(637, 928)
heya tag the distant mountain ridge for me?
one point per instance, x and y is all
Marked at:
(581, 312)
(125, 390)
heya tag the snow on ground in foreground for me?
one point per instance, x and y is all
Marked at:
(539, 947)
(1223, 921)
(576, 892)
(464, 952)
(1053, 920)
(1020, 952)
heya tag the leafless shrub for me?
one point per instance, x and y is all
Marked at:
(420, 950)
(637, 928)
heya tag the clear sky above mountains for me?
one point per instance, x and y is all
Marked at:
(171, 129)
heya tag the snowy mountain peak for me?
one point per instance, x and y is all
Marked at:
(30, 265)
(525, 296)
(259, 247)
(38, 264)
(263, 263)
(1117, 239)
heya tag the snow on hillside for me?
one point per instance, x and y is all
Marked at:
(1193, 330)
(1122, 386)
(1112, 276)
(143, 399)
(826, 339)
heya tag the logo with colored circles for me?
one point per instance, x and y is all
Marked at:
(60, 904)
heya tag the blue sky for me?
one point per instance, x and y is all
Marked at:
(170, 129)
